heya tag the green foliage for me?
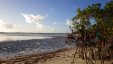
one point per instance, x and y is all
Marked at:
(103, 17)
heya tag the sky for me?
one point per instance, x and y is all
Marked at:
(40, 16)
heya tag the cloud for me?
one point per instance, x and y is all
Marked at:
(5, 26)
(68, 22)
(37, 19)
(30, 18)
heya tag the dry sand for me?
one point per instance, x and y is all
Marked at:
(67, 57)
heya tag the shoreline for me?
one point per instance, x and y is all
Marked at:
(53, 55)
(49, 37)
(61, 56)
(33, 57)
(28, 48)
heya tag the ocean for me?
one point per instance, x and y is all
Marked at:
(27, 36)
(12, 44)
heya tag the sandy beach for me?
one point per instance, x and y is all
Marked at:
(39, 50)
(56, 31)
(67, 57)
(64, 56)
(56, 52)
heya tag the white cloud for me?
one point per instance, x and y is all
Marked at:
(30, 18)
(5, 26)
(68, 22)
(37, 19)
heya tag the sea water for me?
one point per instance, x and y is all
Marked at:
(27, 36)
(25, 44)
